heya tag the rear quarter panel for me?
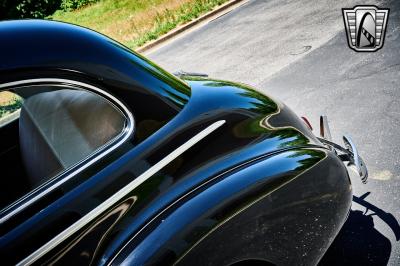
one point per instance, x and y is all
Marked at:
(285, 208)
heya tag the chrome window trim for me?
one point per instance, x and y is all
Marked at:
(75, 227)
(110, 146)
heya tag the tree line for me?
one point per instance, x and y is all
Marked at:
(17, 9)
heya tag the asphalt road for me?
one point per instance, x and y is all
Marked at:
(297, 51)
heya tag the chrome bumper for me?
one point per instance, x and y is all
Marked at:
(348, 153)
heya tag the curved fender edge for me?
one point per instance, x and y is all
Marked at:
(286, 209)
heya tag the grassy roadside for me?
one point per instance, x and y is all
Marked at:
(136, 22)
(9, 103)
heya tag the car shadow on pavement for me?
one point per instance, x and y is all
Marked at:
(358, 242)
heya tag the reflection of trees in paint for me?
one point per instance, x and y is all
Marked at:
(168, 86)
(161, 81)
(285, 137)
(263, 106)
(307, 158)
(261, 103)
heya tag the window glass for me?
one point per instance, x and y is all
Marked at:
(56, 128)
(10, 105)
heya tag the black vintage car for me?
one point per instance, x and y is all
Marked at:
(108, 159)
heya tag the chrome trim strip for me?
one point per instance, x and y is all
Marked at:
(109, 147)
(119, 195)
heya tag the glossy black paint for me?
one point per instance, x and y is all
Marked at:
(276, 215)
(260, 187)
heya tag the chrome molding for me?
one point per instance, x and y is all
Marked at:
(349, 154)
(28, 199)
(119, 195)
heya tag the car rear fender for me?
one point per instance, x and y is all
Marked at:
(277, 208)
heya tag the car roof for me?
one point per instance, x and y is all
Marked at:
(42, 44)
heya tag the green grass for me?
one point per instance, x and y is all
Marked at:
(136, 22)
(170, 20)
(9, 103)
